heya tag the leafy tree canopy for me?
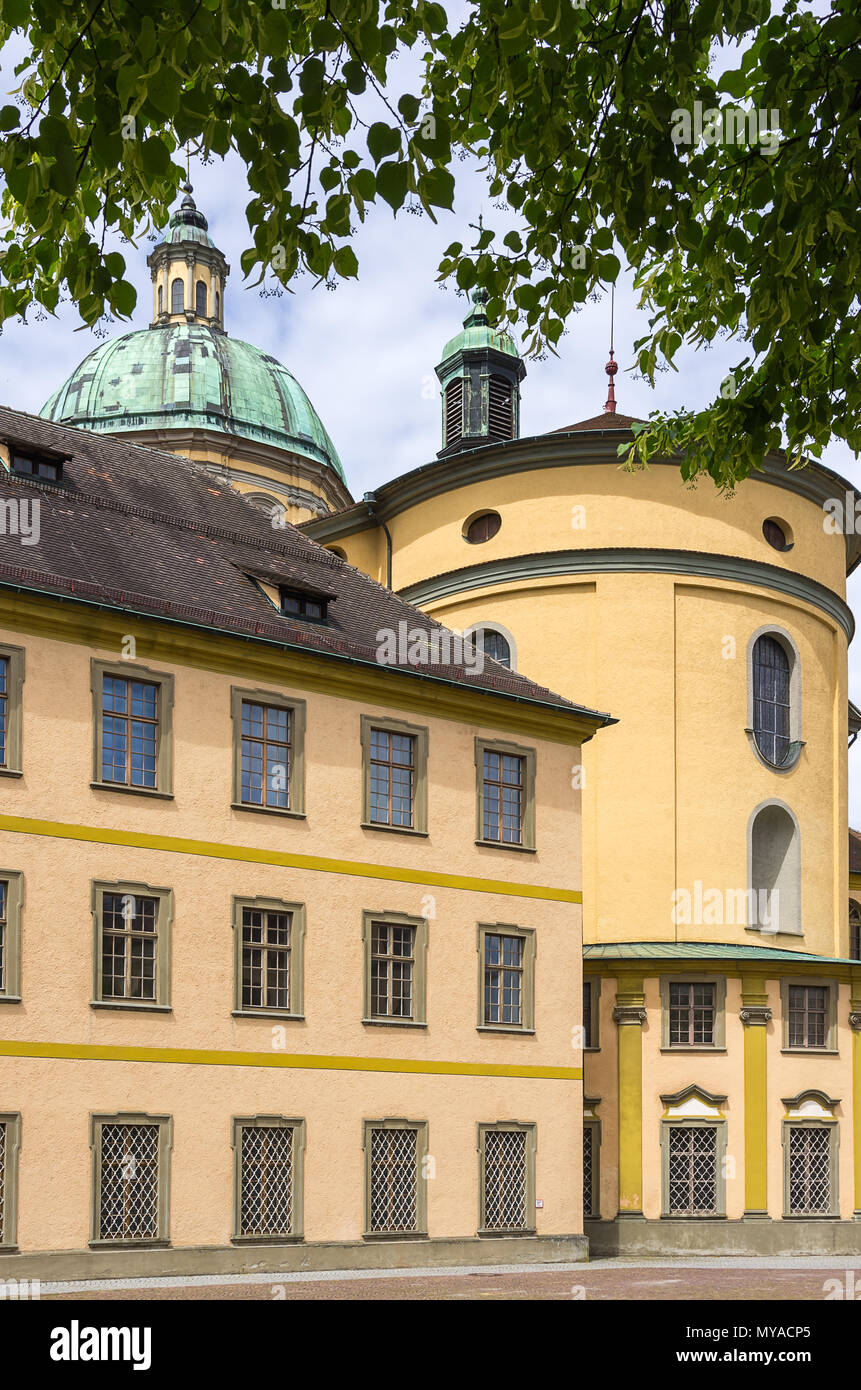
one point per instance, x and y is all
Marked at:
(595, 121)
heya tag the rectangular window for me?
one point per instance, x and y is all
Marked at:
(394, 1180)
(11, 893)
(4, 898)
(269, 736)
(503, 979)
(392, 970)
(10, 1139)
(395, 968)
(130, 1196)
(11, 689)
(265, 959)
(133, 728)
(266, 1179)
(810, 1170)
(506, 795)
(692, 1162)
(692, 1015)
(265, 756)
(808, 1015)
(502, 798)
(129, 946)
(129, 732)
(132, 945)
(507, 1177)
(393, 758)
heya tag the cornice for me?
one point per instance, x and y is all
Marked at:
(701, 564)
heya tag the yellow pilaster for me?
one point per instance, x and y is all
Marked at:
(629, 1016)
(755, 1015)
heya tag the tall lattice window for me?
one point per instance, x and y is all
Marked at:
(177, 297)
(266, 1180)
(3, 1128)
(810, 1170)
(693, 1171)
(266, 953)
(392, 969)
(808, 1015)
(4, 707)
(506, 1179)
(503, 978)
(692, 1015)
(129, 946)
(771, 699)
(854, 930)
(4, 924)
(393, 1159)
(502, 797)
(129, 1192)
(393, 774)
(266, 754)
(200, 298)
(130, 728)
(588, 1169)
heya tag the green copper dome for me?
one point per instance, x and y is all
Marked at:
(478, 333)
(192, 376)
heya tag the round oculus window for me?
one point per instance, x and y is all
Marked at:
(482, 527)
(777, 533)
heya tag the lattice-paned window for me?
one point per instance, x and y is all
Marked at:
(808, 1015)
(394, 1179)
(4, 707)
(454, 411)
(810, 1182)
(588, 1169)
(771, 699)
(129, 1187)
(4, 933)
(266, 958)
(393, 962)
(177, 297)
(692, 1015)
(129, 732)
(266, 755)
(129, 946)
(502, 797)
(3, 1161)
(503, 978)
(693, 1175)
(393, 773)
(500, 421)
(493, 644)
(200, 298)
(505, 1179)
(854, 930)
(266, 1180)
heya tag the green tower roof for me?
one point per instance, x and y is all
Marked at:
(184, 376)
(478, 333)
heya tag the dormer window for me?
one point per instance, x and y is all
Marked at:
(310, 608)
(37, 466)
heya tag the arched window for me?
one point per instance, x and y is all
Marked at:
(771, 699)
(453, 411)
(854, 930)
(493, 644)
(177, 297)
(200, 299)
(160, 298)
(217, 304)
(775, 870)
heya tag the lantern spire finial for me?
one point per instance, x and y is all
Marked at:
(612, 366)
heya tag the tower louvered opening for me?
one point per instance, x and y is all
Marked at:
(454, 411)
(500, 409)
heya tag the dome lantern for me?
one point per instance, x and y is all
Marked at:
(480, 375)
(188, 271)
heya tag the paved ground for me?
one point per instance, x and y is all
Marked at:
(785, 1279)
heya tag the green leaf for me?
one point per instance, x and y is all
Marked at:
(345, 263)
(392, 183)
(382, 140)
(163, 89)
(10, 117)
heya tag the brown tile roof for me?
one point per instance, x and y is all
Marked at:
(854, 851)
(607, 421)
(152, 533)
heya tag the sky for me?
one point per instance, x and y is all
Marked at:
(365, 353)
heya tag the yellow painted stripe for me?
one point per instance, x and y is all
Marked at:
(23, 825)
(197, 1057)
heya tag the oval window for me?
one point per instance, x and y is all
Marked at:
(777, 533)
(482, 527)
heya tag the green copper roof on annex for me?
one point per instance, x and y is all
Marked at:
(191, 376)
(478, 333)
(699, 950)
